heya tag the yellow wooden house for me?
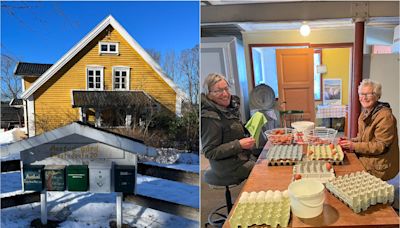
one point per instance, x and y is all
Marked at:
(103, 79)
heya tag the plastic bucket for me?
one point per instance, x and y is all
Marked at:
(306, 198)
(302, 126)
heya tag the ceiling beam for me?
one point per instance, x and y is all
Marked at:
(294, 11)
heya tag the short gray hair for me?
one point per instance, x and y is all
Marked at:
(211, 80)
(376, 86)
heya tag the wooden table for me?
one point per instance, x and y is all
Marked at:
(335, 212)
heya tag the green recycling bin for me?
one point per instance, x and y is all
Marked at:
(33, 177)
(55, 177)
(124, 178)
(77, 178)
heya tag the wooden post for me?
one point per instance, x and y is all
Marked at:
(43, 207)
(355, 108)
(118, 208)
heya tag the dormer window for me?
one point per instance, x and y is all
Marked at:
(108, 48)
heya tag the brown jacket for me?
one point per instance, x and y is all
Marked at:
(377, 142)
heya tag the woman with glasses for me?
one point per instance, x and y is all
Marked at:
(376, 143)
(222, 134)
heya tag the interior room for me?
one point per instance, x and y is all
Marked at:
(348, 41)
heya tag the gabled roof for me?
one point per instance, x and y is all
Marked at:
(82, 132)
(89, 37)
(31, 69)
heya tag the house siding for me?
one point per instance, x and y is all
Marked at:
(28, 81)
(53, 100)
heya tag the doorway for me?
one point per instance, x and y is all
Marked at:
(331, 61)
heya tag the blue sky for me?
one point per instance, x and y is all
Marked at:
(43, 32)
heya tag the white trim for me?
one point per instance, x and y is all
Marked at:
(89, 37)
(178, 106)
(31, 116)
(116, 52)
(22, 84)
(128, 75)
(28, 154)
(24, 102)
(94, 69)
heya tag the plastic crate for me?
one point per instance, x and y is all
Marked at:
(320, 135)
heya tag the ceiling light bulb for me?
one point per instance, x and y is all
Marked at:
(305, 30)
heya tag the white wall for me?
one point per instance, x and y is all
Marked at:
(317, 36)
(384, 68)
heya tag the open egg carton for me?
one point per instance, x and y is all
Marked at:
(284, 154)
(360, 190)
(328, 152)
(262, 208)
(315, 170)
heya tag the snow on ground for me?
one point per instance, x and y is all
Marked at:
(90, 210)
(85, 209)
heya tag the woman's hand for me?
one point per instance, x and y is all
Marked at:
(346, 144)
(247, 143)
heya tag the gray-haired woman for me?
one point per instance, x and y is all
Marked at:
(376, 143)
(222, 134)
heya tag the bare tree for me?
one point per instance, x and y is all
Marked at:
(156, 55)
(169, 64)
(10, 86)
(189, 70)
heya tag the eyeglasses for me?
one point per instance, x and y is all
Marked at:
(220, 91)
(368, 95)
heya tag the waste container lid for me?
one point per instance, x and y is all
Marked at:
(262, 97)
(52, 167)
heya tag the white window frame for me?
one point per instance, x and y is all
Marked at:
(108, 48)
(128, 75)
(94, 68)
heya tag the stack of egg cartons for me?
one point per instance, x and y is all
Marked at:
(284, 154)
(329, 152)
(360, 190)
(258, 208)
(314, 170)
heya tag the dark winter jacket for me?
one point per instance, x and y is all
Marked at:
(376, 143)
(221, 130)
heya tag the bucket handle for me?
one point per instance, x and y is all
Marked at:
(313, 205)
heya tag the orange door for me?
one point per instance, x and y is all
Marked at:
(295, 69)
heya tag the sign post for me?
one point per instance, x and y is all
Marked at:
(118, 207)
(43, 207)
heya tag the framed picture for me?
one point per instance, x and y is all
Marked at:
(332, 91)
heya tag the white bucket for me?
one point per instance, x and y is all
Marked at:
(306, 198)
(302, 126)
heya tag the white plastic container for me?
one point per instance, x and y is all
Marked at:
(306, 198)
(301, 126)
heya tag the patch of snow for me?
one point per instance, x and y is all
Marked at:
(12, 135)
(90, 210)
(171, 191)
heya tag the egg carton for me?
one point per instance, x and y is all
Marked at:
(360, 190)
(262, 208)
(328, 152)
(315, 170)
(284, 154)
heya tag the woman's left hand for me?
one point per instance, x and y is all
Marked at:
(346, 144)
